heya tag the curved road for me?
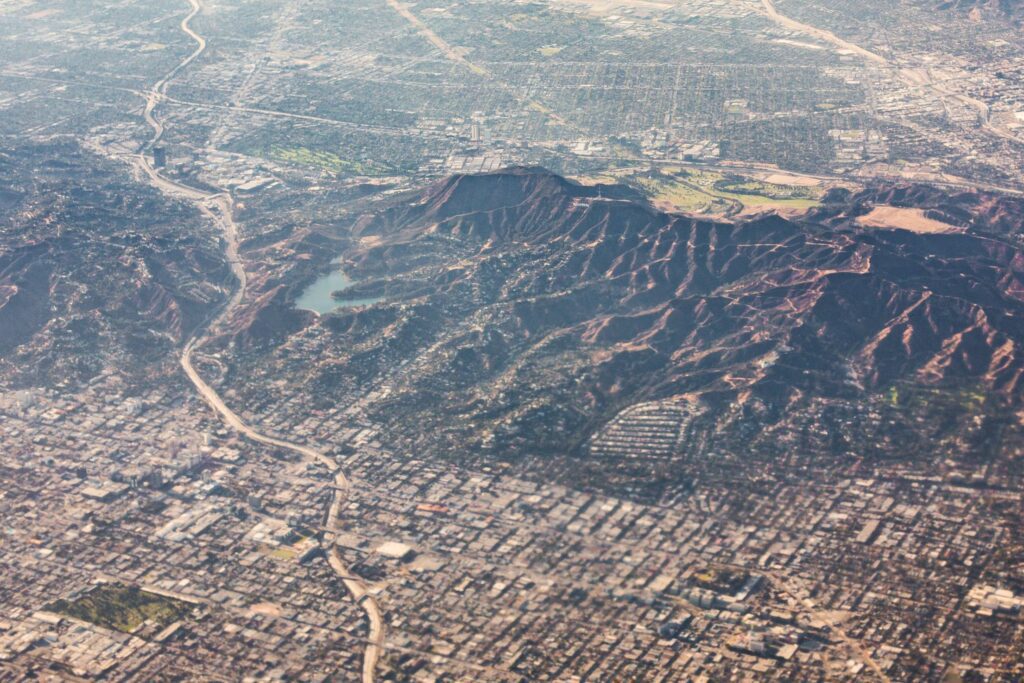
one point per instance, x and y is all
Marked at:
(219, 207)
(159, 88)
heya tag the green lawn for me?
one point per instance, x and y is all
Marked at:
(749, 192)
(122, 608)
(670, 191)
(757, 192)
(328, 161)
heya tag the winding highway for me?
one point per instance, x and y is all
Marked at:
(219, 207)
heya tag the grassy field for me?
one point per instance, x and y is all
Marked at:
(711, 192)
(760, 193)
(754, 193)
(328, 161)
(281, 553)
(893, 397)
(678, 195)
(122, 608)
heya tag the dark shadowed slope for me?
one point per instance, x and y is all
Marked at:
(522, 312)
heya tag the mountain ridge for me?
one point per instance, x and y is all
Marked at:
(529, 309)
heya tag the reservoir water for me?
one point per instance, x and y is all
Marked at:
(317, 297)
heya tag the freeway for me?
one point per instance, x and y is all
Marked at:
(913, 78)
(820, 34)
(219, 207)
(158, 90)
